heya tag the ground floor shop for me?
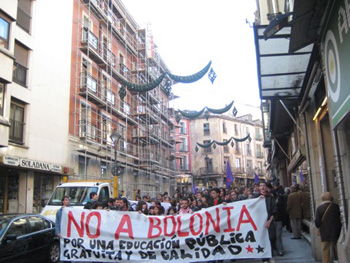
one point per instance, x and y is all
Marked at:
(27, 185)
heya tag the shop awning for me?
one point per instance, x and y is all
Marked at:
(280, 73)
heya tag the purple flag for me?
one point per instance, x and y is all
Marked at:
(194, 189)
(301, 175)
(256, 179)
(229, 175)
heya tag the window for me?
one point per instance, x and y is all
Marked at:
(17, 121)
(37, 224)
(4, 32)
(249, 164)
(18, 227)
(84, 120)
(183, 128)
(24, 14)
(206, 128)
(83, 165)
(20, 65)
(249, 151)
(183, 145)
(226, 150)
(185, 163)
(104, 195)
(224, 128)
(236, 129)
(207, 150)
(2, 94)
(247, 130)
(103, 169)
(238, 162)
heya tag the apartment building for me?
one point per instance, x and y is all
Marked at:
(245, 158)
(182, 157)
(109, 50)
(62, 97)
(305, 105)
(34, 102)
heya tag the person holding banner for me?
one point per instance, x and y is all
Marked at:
(271, 212)
(65, 203)
(215, 197)
(93, 199)
(184, 207)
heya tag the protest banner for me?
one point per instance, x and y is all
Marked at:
(231, 231)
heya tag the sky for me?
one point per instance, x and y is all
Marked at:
(190, 33)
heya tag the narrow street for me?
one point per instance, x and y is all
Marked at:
(295, 251)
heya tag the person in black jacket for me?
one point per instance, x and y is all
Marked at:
(328, 220)
(215, 197)
(271, 213)
(93, 199)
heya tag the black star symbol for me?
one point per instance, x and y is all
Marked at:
(260, 249)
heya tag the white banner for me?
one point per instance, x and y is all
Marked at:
(235, 230)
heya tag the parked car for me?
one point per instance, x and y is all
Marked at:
(28, 238)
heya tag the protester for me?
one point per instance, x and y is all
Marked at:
(215, 197)
(172, 211)
(271, 212)
(327, 219)
(116, 204)
(142, 207)
(184, 207)
(98, 206)
(93, 198)
(124, 205)
(65, 203)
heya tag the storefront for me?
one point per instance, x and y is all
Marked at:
(26, 185)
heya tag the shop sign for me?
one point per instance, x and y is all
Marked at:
(9, 160)
(55, 168)
(336, 54)
(34, 165)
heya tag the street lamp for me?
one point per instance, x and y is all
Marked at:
(115, 137)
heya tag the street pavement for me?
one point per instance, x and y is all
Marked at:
(295, 251)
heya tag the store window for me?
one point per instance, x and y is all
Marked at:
(43, 187)
(8, 192)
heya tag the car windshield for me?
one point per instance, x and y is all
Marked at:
(77, 195)
(4, 220)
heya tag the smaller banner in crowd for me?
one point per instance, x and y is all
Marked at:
(231, 231)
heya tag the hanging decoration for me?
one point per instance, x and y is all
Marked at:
(122, 93)
(212, 75)
(191, 78)
(234, 111)
(206, 110)
(167, 87)
(143, 87)
(225, 143)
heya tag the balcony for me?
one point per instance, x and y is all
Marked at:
(183, 167)
(238, 170)
(258, 137)
(90, 45)
(259, 154)
(90, 88)
(20, 74)
(209, 171)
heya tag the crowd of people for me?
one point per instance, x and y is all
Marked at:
(286, 207)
